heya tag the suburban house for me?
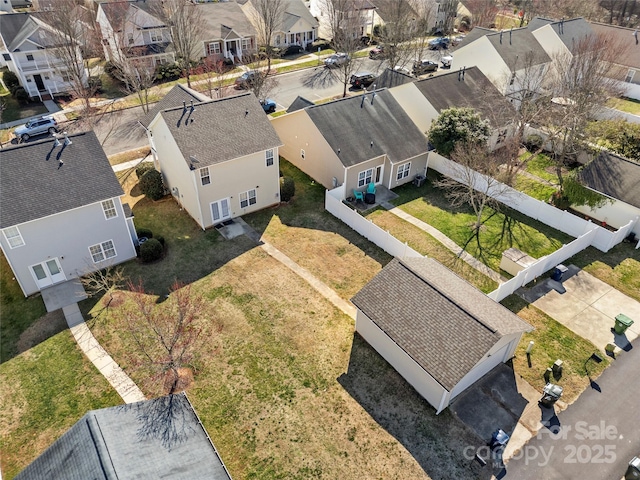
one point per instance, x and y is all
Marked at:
(130, 30)
(626, 63)
(219, 159)
(359, 15)
(228, 35)
(296, 27)
(618, 179)
(438, 331)
(159, 438)
(424, 100)
(354, 142)
(61, 215)
(509, 59)
(559, 36)
(30, 50)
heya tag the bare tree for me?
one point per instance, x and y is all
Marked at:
(267, 16)
(625, 13)
(426, 11)
(449, 9)
(401, 26)
(104, 282)
(483, 12)
(213, 71)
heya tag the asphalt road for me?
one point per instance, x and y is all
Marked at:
(598, 435)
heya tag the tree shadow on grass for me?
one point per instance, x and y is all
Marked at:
(437, 442)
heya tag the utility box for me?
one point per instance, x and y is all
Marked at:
(622, 323)
(557, 368)
(550, 394)
(514, 260)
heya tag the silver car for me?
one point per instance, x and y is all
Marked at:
(336, 60)
(37, 126)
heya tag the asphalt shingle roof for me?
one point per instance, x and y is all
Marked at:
(569, 31)
(174, 98)
(629, 54)
(221, 130)
(222, 17)
(299, 103)
(614, 176)
(352, 124)
(392, 78)
(33, 183)
(517, 44)
(445, 324)
(129, 442)
(473, 89)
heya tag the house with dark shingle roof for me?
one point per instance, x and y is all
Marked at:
(219, 159)
(618, 179)
(159, 438)
(438, 331)
(60, 211)
(354, 141)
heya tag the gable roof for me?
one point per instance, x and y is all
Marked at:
(351, 124)
(516, 44)
(299, 103)
(629, 56)
(223, 17)
(614, 176)
(16, 28)
(221, 130)
(178, 94)
(442, 322)
(126, 442)
(392, 78)
(467, 88)
(568, 31)
(139, 14)
(294, 11)
(33, 184)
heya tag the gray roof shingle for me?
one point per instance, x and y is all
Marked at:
(221, 130)
(392, 78)
(351, 124)
(222, 17)
(569, 31)
(299, 103)
(517, 44)
(629, 54)
(178, 94)
(614, 176)
(445, 324)
(133, 441)
(33, 184)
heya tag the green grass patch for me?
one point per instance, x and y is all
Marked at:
(14, 111)
(534, 188)
(278, 114)
(299, 66)
(542, 166)
(47, 389)
(629, 105)
(500, 230)
(129, 155)
(553, 341)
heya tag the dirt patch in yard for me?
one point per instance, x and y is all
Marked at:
(45, 327)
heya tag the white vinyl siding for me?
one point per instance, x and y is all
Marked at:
(109, 209)
(214, 48)
(403, 171)
(13, 236)
(248, 198)
(102, 251)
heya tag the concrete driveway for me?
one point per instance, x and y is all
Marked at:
(587, 306)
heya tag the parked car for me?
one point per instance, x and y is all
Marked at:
(402, 70)
(377, 52)
(247, 79)
(456, 40)
(424, 66)
(438, 43)
(336, 60)
(37, 126)
(362, 79)
(268, 105)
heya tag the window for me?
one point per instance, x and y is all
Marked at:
(65, 76)
(29, 57)
(269, 156)
(102, 251)
(12, 234)
(246, 43)
(403, 171)
(364, 178)
(502, 135)
(156, 35)
(302, 154)
(109, 209)
(205, 179)
(248, 198)
(278, 40)
(214, 48)
(6, 57)
(130, 38)
(630, 75)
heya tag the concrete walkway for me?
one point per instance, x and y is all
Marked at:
(446, 241)
(118, 379)
(131, 164)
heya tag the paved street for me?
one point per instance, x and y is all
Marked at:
(598, 434)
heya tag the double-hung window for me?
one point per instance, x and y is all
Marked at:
(630, 74)
(204, 176)
(13, 236)
(269, 157)
(156, 35)
(214, 48)
(364, 178)
(248, 198)
(403, 171)
(246, 43)
(109, 209)
(102, 251)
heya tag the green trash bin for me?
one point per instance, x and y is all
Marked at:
(622, 323)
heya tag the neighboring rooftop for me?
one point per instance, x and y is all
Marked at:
(295, 10)
(221, 18)
(221, 130)
(137, 13)
(569, 31)
(159, 438)
(516, 45)
(40, 179)
(445, 324)
(614, 176)
(299, 103)
(627, 38)
(17, 28)
(368, 126)
(392, 78)
(178, 94)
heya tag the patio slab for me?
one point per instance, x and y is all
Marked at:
(562, 307)
(586, 287)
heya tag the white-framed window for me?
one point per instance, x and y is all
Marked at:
(29, 57)
(248, 198)
(13, 236)
(214, 48)
(156, 35)
(403, 171)
(630, 74)
(302, 154)
(269, 157)
(278, 40)
(109, 209)
(364, 178)
(205, 179)
(64, 74)
(102, 251)
(130, 37)
(246, 43)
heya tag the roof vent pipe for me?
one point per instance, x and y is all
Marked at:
(362, 102)
(67, 141)
(510, 32)
(373, 95)
(500, 37)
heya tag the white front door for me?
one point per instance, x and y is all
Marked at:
(47, 273)
(220, 210)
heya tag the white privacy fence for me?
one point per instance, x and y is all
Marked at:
(366, 228)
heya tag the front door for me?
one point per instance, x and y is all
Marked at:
(220, 210)
(378, 176)
(39, 83)
(47, 273)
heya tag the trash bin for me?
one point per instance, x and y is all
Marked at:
(622, 323)
(550, 395)
(559, 272)
(633, 470)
